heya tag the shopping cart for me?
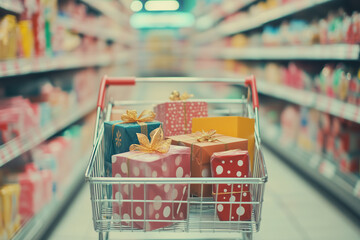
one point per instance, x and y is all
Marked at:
(201, 221)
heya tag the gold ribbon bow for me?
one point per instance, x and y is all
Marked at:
(131, 116)
(175, 96)
(156, 145)
(206, 136)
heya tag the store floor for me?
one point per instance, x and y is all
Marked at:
(292, 210)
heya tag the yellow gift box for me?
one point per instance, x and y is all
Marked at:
(232, 126)
(9, 195)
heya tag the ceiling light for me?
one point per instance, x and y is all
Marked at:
(163, 20)
(156, 5)
(136, 6)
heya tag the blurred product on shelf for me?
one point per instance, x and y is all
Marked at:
(39, 31)
(338, 27)
(339, 81)
(45, 101)
(9, 206)
(315, 132)
(45, 177)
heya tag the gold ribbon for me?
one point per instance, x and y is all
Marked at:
(206, 136)
(156, 145)
(131, 116)
(175, 96)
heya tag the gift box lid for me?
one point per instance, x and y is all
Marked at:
(151, 157)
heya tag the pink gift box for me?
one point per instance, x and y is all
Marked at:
(232, 163)
(177, 116)
(175, 163)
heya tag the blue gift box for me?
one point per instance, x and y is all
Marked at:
(119, 136)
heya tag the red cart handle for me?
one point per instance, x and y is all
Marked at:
(107, 81)
(252, 82)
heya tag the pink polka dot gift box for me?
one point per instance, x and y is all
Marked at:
(177, 116)
(158, 210)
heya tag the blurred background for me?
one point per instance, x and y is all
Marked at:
(303, 53)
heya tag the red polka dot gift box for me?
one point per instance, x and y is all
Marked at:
(232, 163)
(159, 210)
(177, 116)
(235, 206)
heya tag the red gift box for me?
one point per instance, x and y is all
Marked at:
(238, 204)
(177, 116)
(159, 197)
(232, 163)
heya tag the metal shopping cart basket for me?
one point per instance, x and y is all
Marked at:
(202, 221)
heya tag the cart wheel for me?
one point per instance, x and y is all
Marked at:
(248, 236)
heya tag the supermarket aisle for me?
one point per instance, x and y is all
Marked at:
(292, 210)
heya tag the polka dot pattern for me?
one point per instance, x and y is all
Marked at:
(138, 211)
(219, 170)
(179, 172)
(124, 168)
(220, 207)
(157, 202)
(172, 115)
(230, 164)
(136, 171)
(166, 211)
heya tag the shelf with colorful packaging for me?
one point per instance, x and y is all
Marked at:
(31, 138)
(312, 52)
(11, 5)
(89, 29)
(110, 9)
(319, 168)
(62, 62)
(219, 11)
(300, 97)
(306, 98)
(246, 23)
(36, 227)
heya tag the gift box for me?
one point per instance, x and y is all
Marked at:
(201, 153)
(177, 116)
(239, 206)
(174, 163)
(232, 163)
(240, 127)
(119, 135)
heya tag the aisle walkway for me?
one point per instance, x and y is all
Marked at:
(292, 210)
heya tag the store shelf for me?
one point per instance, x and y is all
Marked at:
(313, 100)
(107, 9)
(12, 6)
(34, 136)
(37, 226)
(323, 171)
(62, 62)
(89, 29)
(242, 25)
(314, 52)
(225, 9)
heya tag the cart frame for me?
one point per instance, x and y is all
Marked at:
(201, 221)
